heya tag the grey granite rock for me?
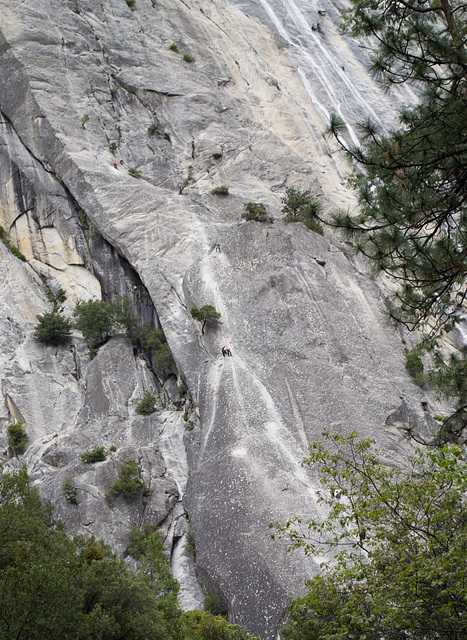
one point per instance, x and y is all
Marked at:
(86, 85)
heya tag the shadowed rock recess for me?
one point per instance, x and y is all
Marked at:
(110, 145)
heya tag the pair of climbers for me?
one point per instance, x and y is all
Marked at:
(226, 351)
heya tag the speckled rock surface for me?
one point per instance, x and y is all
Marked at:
(86, 85)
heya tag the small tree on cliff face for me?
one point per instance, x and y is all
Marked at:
(94, 319)
(205, 314)
(301, 206)
(397, 545)
(53, 328)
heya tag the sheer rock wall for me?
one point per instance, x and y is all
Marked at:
(89, 84)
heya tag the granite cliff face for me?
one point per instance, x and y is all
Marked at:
(89, 84)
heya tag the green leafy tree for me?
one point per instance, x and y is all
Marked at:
(397, 545)
(17, 437)
(69, 491)
(53, 328)
(94, 319)
(60, 588)
(301, 206)
(200, 625)
(205, 314)
(148, 546)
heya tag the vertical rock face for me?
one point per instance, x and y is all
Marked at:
(86, 86)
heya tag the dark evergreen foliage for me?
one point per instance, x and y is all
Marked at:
(63, 588)
(53, 328)
(412, 182)
(301, 206)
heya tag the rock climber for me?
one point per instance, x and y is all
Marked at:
(218, 247)
(115, 165)
(228, 352)
(224, 351)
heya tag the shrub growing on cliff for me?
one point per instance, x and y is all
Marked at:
(155, 341)
(188, 57)
(53, 328)
(256, 211)
(14, 250)
(69, 491)
(135, 173)
(17, 437)
(147, 404)
(95, 455)
(17, 253)
(220, 191)
(94, 319)
(128, 483)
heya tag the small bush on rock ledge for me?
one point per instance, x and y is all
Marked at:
(136, 173)
(256, 211)
(128, 483)
(147, 404)
(220, 191)
(53, 328)
(96, 455)
(204, 314)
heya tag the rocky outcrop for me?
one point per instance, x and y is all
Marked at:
(87, 86)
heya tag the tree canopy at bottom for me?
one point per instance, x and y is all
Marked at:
(61, 588)
(397, 545)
